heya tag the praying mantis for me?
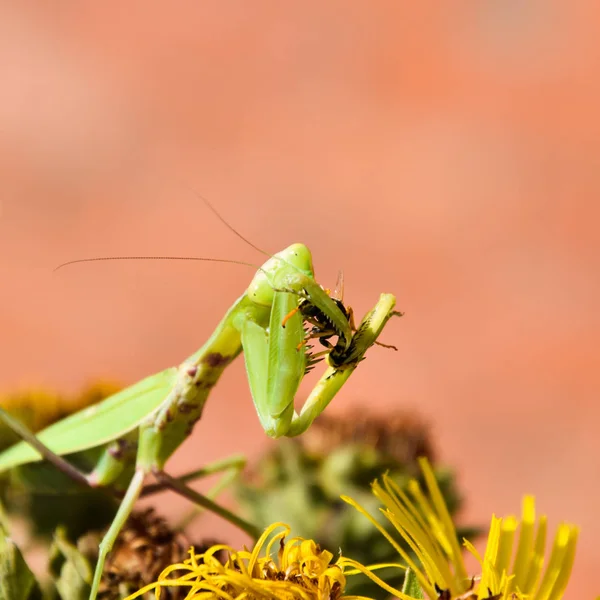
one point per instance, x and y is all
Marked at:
(141, 426)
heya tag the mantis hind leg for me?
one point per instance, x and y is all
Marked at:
(230, 467)
(58, 461)
(109, 469)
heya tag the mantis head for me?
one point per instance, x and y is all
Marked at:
(293, 261)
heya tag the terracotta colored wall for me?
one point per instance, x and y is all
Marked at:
(450, 156)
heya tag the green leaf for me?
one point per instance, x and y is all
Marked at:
(72, 570)
(17, 579)
(411, 585)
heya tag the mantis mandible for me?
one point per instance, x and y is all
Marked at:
(145, 423)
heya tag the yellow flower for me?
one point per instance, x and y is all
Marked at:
(425, 524)
(302, 571)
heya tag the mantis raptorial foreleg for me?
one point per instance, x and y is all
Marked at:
(154, 416)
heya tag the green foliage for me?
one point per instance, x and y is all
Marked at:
(16, 579)
(71, 570)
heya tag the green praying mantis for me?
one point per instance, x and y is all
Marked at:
(141, 426)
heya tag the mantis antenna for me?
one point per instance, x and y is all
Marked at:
(224, 221)
(229, 226)
(198, 258)
(193, 258)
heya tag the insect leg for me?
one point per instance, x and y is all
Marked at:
(233, 463)
(130, 498)
(289, 315)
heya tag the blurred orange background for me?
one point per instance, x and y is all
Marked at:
(447, 155)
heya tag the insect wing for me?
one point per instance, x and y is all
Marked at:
(97, 424)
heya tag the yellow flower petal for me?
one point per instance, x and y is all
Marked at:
(302, 571)
(512, 566)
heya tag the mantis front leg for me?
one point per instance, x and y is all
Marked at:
(339, 370)
(276, 361)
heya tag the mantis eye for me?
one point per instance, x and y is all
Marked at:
(299, 256)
